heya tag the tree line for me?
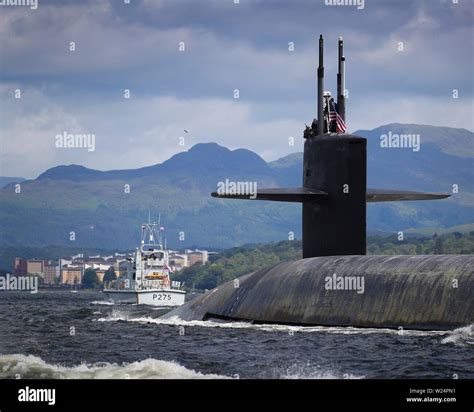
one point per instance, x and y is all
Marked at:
(90, 279)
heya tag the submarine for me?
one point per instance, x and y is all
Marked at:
(336, 283)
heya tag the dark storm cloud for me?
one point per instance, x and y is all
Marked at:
(238, 46)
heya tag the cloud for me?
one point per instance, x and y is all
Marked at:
(228, 47)
(27, 130)
(412, 110)
(132, 133)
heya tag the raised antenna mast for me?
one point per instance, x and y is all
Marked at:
(320, 86)
(341, 86)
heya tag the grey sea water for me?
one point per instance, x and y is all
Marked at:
(58, 334)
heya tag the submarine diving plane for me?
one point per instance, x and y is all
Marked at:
(336, 284)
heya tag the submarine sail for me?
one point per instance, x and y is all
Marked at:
(334, 192)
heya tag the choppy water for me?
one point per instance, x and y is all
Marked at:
(57, 334)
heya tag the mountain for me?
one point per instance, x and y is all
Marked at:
(206, 160)
(104, 209)
(5, 180)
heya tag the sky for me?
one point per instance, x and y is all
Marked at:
(137, 45)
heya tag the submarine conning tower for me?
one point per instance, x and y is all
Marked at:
(336, 164)
(335, 224)
(334, 191)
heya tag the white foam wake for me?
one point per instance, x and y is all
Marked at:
(102, 302)
(306, 372)
(118, 315)
(309, 370)
(460, 337)
(28, 367)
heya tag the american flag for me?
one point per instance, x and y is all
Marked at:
(334, 116)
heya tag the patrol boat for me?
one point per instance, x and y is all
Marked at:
(145, 277)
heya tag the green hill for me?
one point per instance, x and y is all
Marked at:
(104, 209)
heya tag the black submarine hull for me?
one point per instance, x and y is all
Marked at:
(431, 292)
